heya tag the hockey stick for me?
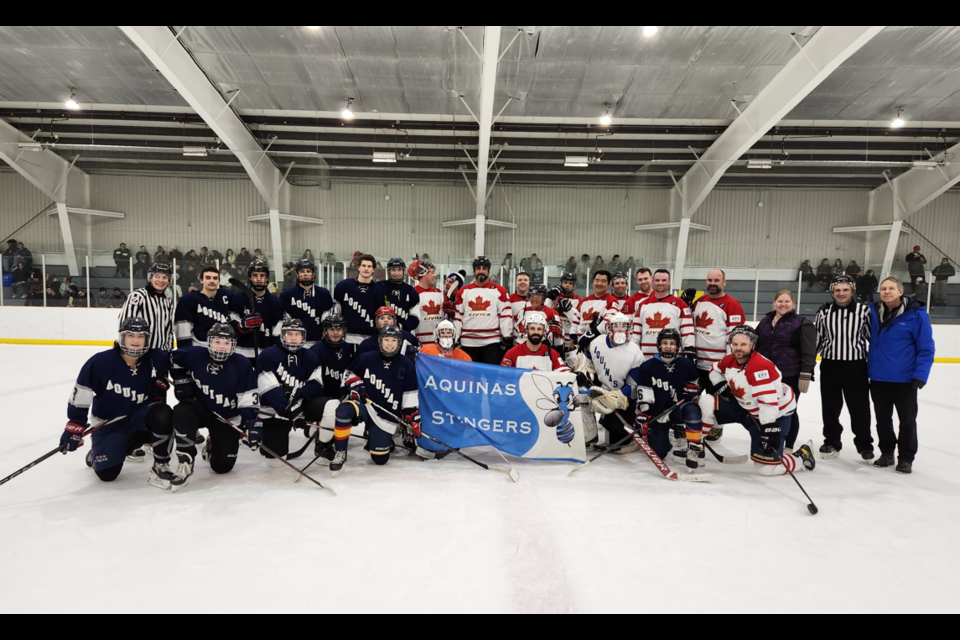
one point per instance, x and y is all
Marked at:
(489, 467)
(60, 449)
(660, 464)
(622, 440)
(812, 508)
(253, 308)
(280, 458)
(314, 437)
(725, 459)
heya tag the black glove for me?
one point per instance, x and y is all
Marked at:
(717, 389)
(770, 436)
(564, 305)
(688, 295)
(690, 353)
(254, 431)
(182, 385)
(588, 335)
(293, 410)
(582, 381)
(159, 389)
(918, 384)
(72, 436)
(506, 344)
(555, 293)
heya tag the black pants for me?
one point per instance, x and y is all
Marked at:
(845, 381)
(276, 432)
(790, 438)
(190, 415)
(487, 354)
(902, 395)
(613, 425)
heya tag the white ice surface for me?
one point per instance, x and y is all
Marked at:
(447, 536)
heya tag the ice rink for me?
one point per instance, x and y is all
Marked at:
(447, 536)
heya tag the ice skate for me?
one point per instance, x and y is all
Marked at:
(183, 472)
(827, 452)
(805, 453)
(160, 475)
(336, 465)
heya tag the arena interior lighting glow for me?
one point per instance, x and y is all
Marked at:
(898, 121)
(650, 31)
(71, 102)
(347, 113)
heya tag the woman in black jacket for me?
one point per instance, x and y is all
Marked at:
(853, 269)
(866, 286)
(824, 273)
(806, 274)
(20, 277)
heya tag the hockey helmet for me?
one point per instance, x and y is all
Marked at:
(258, 266)
(618, 328)
(668, 334)
(334, 320)
(618, 275)
(292, 324)
(539, 290)
(395, 263)
(420, 268)
(481, 261)
(389, 332)
(159, 269)
(569, 277)
(134, 326)
(746, 330)
(445, 334)
(385, 310)
(305, 263)
(842, 279)
(225, 332)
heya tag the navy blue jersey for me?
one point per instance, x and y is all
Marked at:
(281, 374)
(405, 300)
(196, 314)
(661, 385)
(410, 346)
(268, 306)
(358, 304)
(114, 389)
(392, 384)
(309, 306)
(334, 362)
(227, 388)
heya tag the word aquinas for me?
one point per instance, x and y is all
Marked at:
(471, 386)
(497, 426)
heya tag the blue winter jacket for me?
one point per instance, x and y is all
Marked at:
(903, 349)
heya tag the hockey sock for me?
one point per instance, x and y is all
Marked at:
(347, 415)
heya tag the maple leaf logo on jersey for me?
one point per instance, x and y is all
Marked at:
(431, 309)
(737, 391)
(703, 322)
(479, 304)
(588, 316)
(658, 321)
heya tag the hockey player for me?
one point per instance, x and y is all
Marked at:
(430, 310)
(715, 314)
(198, 311)
(451, 287)
(644, 291)
(152, 304)
(290, 383)
(387, 317)
(483, 320)
(661, 311)
(388, 380)
(445, 343)
(664, 380)
(534, 352)
(125, 386)
(335, 354)
(306, 301)
(259, 324)
(615, 361)
(566, 303)
(225, 389)
(536, 303)
(747, 388)
(518, 301)
(359, 299)
(599, 304)
(618, 283)
(400, 295)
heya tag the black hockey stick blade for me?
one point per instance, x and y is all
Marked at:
(60, 449)
(725, 459)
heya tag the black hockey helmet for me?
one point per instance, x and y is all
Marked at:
(305, 263)
(134, 325)
(258, 266)
(747, 330)
(292, 324)
(159, 268)
(539, 290)
(569, 277)
(669, 334)
(842, 279)
(481, 261)
(619, 275)
(334, 320)
(221, 330)
(390, 332)
(396, 263)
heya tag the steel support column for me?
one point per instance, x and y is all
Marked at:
(491, 51)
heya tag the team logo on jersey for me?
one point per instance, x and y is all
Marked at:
(736, 319)
(737, 391)
(479, 304)
(214, 314)
(658, 321)
(431, 309)
(226, 300)
(135, 298)
(213, 369)
(762, 375)
(589, 315)
(126, 392)
(702, 321)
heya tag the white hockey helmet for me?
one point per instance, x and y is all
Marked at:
(618, 328)
(445, 334)
(535, 317)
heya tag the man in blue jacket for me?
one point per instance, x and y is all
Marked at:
(901, 354)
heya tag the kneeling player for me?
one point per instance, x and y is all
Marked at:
(127, 387)
(290, 382)
(534, 353)
(225, 392)
(763, 403)
(335, 355)
(389, 381)
(445, 343)
(664, 380)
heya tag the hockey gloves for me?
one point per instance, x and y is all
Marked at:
(770, 436)
(182, 385)
(450, 308)
(556, 330)
(555, 293)
(564, 305)
(293, 410)
(72, 437)
(691, 391)
(589, 335)
(254, 430)
(690, 353)
(804, 384)
(642, 424)
(506, 344)
(250, 322)
(413, 421)
(159, 390)
(356, 390)
(606, 402)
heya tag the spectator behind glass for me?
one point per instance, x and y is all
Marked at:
(837, 269)
(229, 258)
(536, 272)
(571, 266)
(23, 255)
(915, 261)
(141, 263)
(117, 300)
(289, 276)
(308, 255)
(806, 274)
(942, 272)
(9, 259)
(853, 269)
(614, 265)
(21, 277)
(630, 265)
(121, 258)
(191, 258)
(243, 259)
(102, 299)
(257, 255)
(866, 286)
(204, 255)
(582, 268)
(790, 342)
(34, 289)
(160, 255)
(216, 258)
(824, 273)
(920, 289)
(65, 286)
(598, 265)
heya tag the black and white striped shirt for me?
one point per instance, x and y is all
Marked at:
(157, 309)
(844, 332)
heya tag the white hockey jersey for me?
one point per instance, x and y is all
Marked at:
(757, 385)
(430, 313)
(553, 319)
(591, 307)
(483, 315)
(618, 303)
(615, 364)
(517, 305)
(543, 359)
(713, 319)
(569, 320)
(653, 316)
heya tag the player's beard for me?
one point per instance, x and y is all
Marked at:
(480, 278)
(713, 289)
(535, 340)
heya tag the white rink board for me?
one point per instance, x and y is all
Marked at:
(446, 536)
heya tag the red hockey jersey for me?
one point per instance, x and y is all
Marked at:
(430, 312)
(653, 315)
(483, 315)
(757, 385)
(543, 359)
(713, 319)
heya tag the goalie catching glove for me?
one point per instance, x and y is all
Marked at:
(606, 402)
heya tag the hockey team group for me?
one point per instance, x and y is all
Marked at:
(250, 367)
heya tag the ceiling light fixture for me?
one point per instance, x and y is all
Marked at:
(575, 161)
(759, 164)
(30, 146)
(197, 152)
(71, 102)
(606, 118)
(650, 31)
(898, 121)
(385, 156)
(347, 113)
(313, 27)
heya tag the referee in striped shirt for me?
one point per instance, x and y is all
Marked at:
(843, 327)
(152, 304)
